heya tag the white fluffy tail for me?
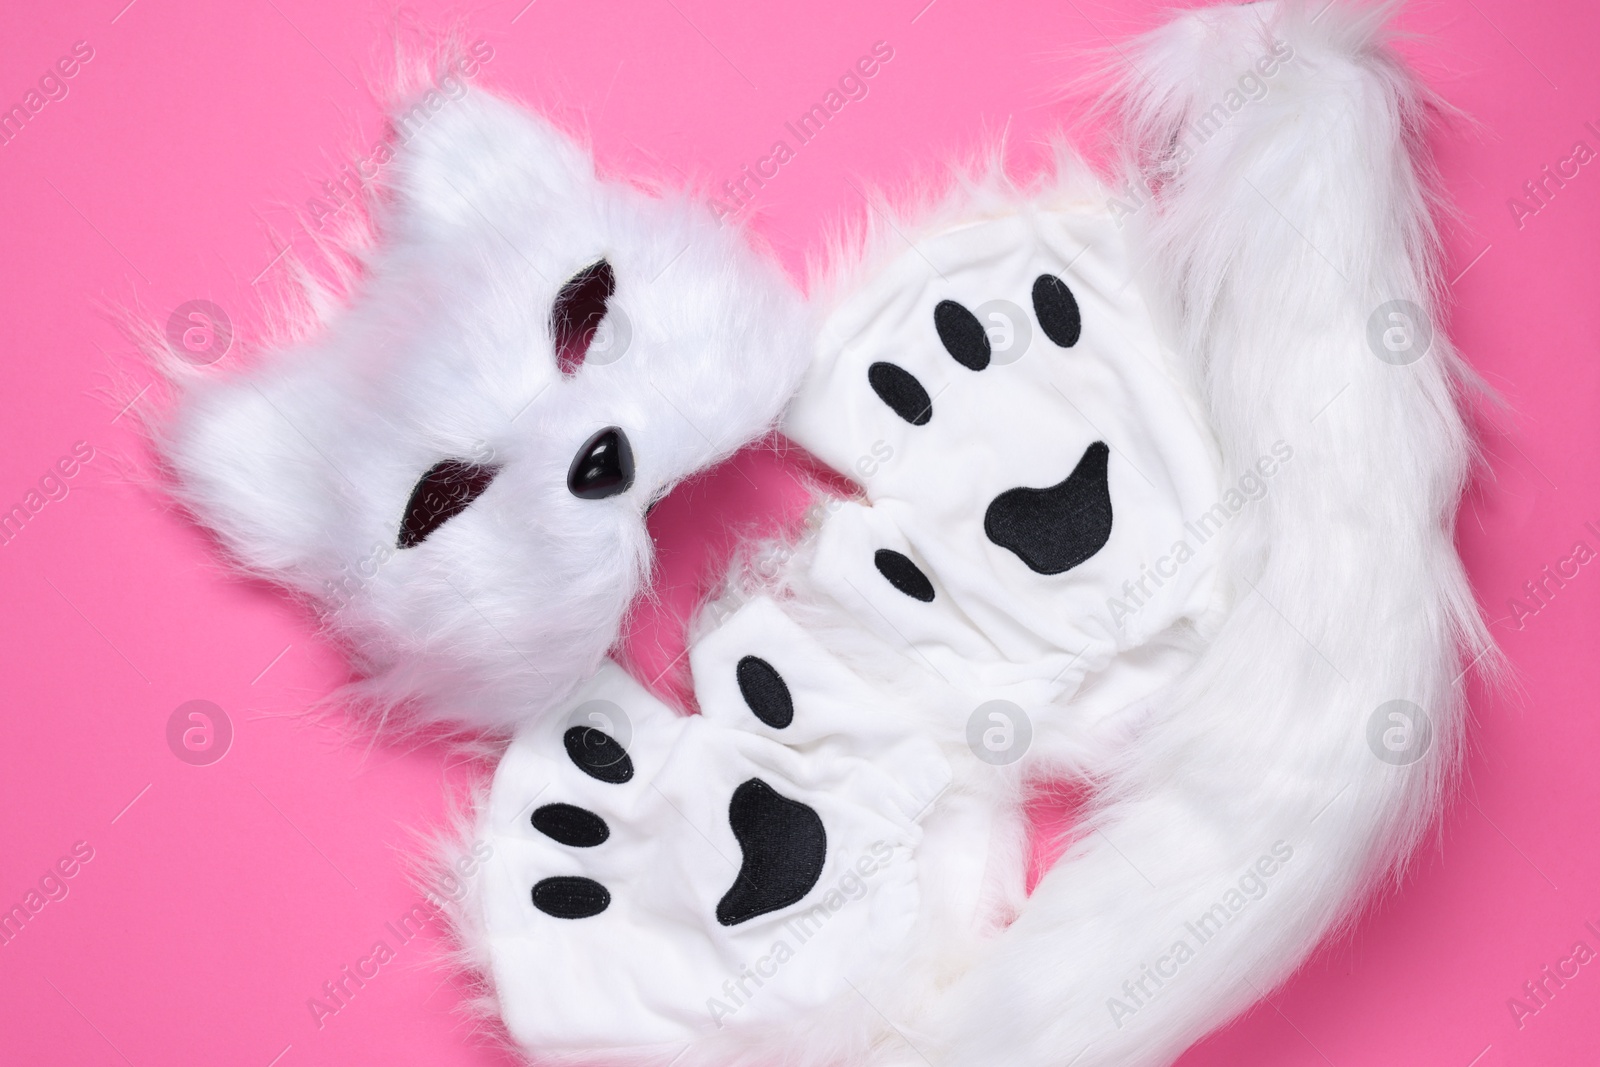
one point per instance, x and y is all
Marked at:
(1294, 768)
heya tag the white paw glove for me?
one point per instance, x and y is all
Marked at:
(1038, 487)
(655, 876)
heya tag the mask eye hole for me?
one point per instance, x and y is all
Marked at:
(442, 494)
(576, 315)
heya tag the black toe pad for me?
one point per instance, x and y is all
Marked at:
(899, 388)
(1057, 310)
(598, 754)
(904, 575)
(765, 692)
(571, 825)
(568, 897)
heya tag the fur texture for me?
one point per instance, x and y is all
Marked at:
(1273, 240)
(1254, 780)
(304, 464)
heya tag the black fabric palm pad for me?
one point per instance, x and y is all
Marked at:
(784, 846)
(1053, 530)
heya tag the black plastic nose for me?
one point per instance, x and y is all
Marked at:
(603, 466)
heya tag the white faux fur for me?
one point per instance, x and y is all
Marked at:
(1250, 790)
(1275, 227)
(304, 463)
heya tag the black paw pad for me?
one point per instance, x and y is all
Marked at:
(598, 754)
(569, 897)
(1053, 530)
(784, 846)
(900, 389)
(1057, 310)
(571, 825)
(903, 574)
(765, 691)
(962, 335)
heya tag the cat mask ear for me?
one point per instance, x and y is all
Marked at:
(477, 157)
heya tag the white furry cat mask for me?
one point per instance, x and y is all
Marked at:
(457, 467)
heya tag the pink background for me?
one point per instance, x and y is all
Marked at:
(220, 898)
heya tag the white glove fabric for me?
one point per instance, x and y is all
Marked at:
(1018, 351)
(655, 876)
